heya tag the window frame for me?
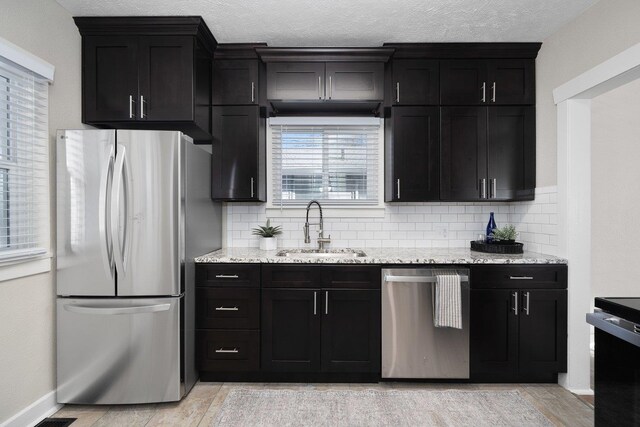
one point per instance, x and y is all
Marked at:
(335, 209)
(17, 264)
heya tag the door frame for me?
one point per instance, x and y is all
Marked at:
(573, 101)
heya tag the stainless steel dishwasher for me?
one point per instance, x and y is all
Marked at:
(412, 347)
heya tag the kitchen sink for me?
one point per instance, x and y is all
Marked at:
(324, 253)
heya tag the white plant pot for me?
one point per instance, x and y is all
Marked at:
(268, 243)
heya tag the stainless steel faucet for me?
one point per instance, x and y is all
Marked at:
(321, 239)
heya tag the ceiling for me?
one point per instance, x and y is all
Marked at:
(356, 22)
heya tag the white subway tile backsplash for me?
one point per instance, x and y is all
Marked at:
(417, 225)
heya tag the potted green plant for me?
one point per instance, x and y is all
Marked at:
(268, 233)
(505, 235)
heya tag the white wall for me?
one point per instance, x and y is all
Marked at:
(602, 31)
(27, 315)
(615, 195)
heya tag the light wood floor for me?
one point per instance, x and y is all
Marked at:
(202, 404)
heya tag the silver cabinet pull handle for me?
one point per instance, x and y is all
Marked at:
(319, 87)
(142, 102)
(223, 350)
(398, 184)
(330, 87)
(484, 92)
(520, 277)
(493, 95)
(251, 186)
(494, 188)
(253, 92)
(515, 302)
(226, 308)
(315, 300)
(326, 302)
(131, 114)
(397, 92)
(526, 303)
(226, 276)
(483, 188)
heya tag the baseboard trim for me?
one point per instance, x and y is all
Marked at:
(581, 392)
(35, 412)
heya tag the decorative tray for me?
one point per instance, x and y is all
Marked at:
(497, 248)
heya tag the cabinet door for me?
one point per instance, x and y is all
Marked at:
(463, 154)
(291, 330)
(235, 82)
(416, 82)
(511, 153)
(511, 81)
(236, 169)
(543, 332)
(493, 335)
(413, 154)
(463, 82)
(295, 81)
(110, 78)
(354, 81)
(351, 331)
(166, 78)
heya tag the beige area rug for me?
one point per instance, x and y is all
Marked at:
(377, 408)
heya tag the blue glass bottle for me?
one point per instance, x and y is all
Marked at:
(490, 227)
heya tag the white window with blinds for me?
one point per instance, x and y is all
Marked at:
(24, 163)
(336, 161)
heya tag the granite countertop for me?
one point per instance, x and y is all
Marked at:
(380, 256)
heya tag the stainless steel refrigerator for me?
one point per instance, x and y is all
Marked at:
(133, 210)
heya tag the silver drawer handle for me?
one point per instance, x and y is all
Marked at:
(520, 277)
(226, 308)
(226, 276)
(222, 350)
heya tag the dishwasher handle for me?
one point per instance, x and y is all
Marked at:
(417, 279)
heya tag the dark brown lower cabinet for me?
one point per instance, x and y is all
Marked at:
(321, 330)
(290, 330)
(518, 335)
(228, 350)
(351, 331)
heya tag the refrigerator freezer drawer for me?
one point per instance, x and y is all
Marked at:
(118, 351)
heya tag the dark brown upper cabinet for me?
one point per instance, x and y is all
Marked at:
(147, 73)
(298, 81)
(411, 155)
(415, 82)
(325, 80)
(317, 81)
(238, 154)
(354, 81)
(487, 153)
(235, 82)
(487, 82)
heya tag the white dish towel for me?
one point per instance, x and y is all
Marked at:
(447, 301)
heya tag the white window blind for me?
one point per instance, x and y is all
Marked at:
(336, 164)
(24, 162)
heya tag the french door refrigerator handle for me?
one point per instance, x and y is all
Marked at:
(87, 309)
(120, 181)
(104, 217)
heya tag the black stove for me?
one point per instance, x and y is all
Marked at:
(617, 356)
(625, 308)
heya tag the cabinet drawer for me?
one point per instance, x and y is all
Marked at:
(228, 351)
(224, 275)
(291, 276)
(228, 308)
(520, 276)
(351, 277)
